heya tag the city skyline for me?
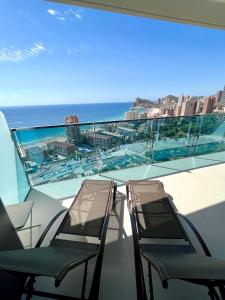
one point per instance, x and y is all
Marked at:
(156, 99)
(60, 54)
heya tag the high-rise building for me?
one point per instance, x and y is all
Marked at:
(167, 111)
(73, 130)
(218, 96)
(71, 119)
(199, 107)
(131, 115)
(179, 105)
(222, 99)
(189, 106)
(208, 106)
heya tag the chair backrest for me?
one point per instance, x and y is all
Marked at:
(86, 215)
(9, 239)
(11, 285)
(155, 215)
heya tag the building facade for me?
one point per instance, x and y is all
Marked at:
(61, 148)
(189, 107)
(72, 130)
(131, 115)
(222, 99)
(179, 105)
(218, 96)
(208, 105)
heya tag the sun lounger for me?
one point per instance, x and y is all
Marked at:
(159, 237)
(87, 217)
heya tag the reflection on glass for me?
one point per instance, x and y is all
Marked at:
(121, 145)
(53, 154)
(23, 185)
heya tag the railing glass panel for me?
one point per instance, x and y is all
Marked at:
(126, 145)
(14, 185)
(211, 138)
(23, 186)
(57, 153)
(174, 138)
(121, 150)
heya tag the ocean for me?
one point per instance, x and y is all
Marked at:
(43, 115)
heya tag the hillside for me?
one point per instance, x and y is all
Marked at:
(139, 102)
(171, 97)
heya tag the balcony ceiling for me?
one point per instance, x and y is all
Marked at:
(209, 13)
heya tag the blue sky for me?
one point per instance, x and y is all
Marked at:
(52, 53)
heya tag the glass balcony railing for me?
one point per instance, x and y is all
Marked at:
(14, 186)
(57, 153)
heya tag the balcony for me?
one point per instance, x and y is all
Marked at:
(48, 164)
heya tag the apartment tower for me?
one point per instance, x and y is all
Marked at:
(179, 105)
(222, 99)
(73, 131)
(208, 105)
(189, 106)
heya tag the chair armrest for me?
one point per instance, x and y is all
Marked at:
(28, 227)
(19, 213)
(44, 233)
(197, 234)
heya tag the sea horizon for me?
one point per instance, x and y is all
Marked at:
(58, 104)
(54, 114)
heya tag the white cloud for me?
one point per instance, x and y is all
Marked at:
(12, 54)
(78, 16)
(67, 15)
(52, 12)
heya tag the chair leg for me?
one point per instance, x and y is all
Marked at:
(222, 291)
(30, 287)
(213, 293)
(144, 295)
(114, 197)
(31, 233)
(151, 293)
(84, 280)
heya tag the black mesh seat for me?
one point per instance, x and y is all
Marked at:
(50, 261)
(153, 217)
(182, 262)
(88, 216)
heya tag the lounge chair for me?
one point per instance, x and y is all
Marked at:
(160, 238)
(88, 216)
(9, 240)
(11, 284)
